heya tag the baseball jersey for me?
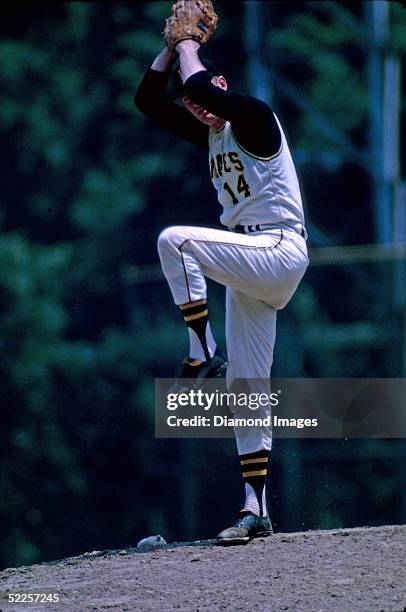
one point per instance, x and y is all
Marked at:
(252, 189)
(249, 159)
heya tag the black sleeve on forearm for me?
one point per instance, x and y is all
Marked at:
(252, 121)
(151, 100)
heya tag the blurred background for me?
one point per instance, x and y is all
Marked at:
(86, 319)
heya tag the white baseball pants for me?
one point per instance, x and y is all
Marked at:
(261, 272)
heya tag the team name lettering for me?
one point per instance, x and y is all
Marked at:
(221, 164)
(235, 160)
(226, 168)
(213, 170)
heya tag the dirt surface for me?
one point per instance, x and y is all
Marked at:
(345, 570)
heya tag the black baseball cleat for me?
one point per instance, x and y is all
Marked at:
(195, 372)
(248, 526)
(212, 368)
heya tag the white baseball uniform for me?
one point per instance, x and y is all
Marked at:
(261, 269)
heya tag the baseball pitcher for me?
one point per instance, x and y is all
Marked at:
(260, 256)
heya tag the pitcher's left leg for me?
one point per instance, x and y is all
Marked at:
(188, 285)
(243, 262)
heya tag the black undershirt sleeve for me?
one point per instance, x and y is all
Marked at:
(151, 99)
(252, 121)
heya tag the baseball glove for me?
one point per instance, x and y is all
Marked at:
(193, 19)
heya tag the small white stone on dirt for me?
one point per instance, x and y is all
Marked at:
(151, 543)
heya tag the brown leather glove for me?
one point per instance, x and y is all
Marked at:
(195, 19)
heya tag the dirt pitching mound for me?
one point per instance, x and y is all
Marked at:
(345, 569)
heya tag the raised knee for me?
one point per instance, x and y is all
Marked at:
(168, 237)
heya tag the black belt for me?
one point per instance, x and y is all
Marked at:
(246, 229)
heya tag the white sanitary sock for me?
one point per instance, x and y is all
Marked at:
(251, 501)
(196, 350)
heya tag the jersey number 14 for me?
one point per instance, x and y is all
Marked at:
(242, 187)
